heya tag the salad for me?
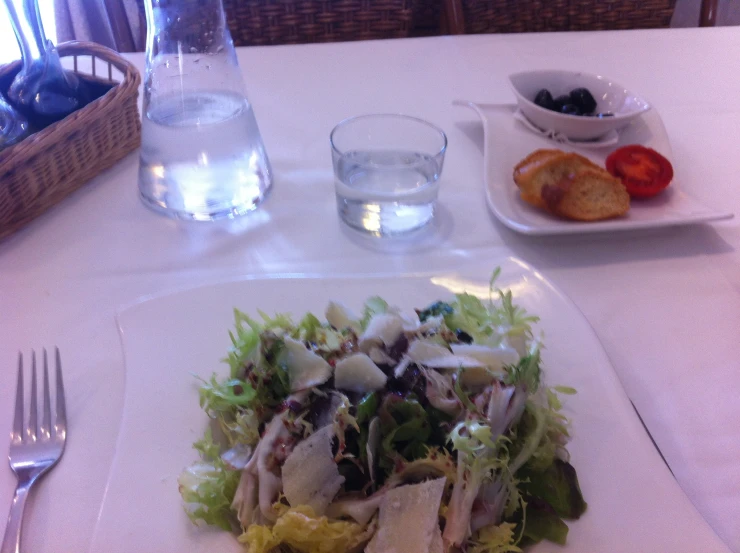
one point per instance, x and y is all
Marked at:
(429, 432)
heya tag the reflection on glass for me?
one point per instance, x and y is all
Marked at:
(13, 126)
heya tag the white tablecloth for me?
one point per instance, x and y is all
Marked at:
(666, 304)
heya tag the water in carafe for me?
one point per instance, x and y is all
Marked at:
(202, 155)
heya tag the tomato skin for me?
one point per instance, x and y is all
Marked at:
(643, 171)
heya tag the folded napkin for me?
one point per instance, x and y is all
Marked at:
(609, 139)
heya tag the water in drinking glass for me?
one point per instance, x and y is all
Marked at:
(386, 192)
(386, 168)
(201, 156)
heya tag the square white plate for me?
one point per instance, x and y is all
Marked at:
(507, 141)
(634, 504)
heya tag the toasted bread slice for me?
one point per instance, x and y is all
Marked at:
(534, 160)
(570, 185)
(545, 165)
(593, 196)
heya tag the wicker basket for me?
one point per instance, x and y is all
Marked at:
(517, 16)
(43, 169)
(265, 22)
(428, 16)
(299, 21)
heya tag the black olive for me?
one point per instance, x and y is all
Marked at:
(544, 99)
(319, 409)
(463, 336)
(398, 348)
(570, 109)
(412, 381)
(560, 101)
(386, 368)
(583, 98)
(354, 479)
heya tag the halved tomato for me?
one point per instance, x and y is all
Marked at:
(643, 171)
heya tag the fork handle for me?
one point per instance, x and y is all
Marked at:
(12, 537)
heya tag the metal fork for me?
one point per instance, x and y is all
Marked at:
(33, 449)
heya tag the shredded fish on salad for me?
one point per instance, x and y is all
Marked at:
(422, 432)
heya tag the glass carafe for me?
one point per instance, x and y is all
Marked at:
(202, 155)
(13, 126)
(42, 90)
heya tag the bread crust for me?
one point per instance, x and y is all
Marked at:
(570, 185)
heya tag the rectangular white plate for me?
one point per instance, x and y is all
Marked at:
(507, 141)
(634, 504)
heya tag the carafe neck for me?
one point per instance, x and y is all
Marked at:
(186, 26)
(29, 31)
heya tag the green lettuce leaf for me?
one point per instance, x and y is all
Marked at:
(409, 430)
(543, 523)
(309, 327)
(271, 380)
(373, 306)
(558, 486)
(405, 430)
(367, 407)
(527, 371)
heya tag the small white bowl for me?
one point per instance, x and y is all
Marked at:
(610, 97)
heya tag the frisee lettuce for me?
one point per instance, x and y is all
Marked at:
(494, 323)
(245, 342)
(481, 458)
(242, 429)
(343, 421)
(498, 538)
(218, 398)
(208, 487)
(309, 328)
(527, 371)
(543, 431)
(472, 317)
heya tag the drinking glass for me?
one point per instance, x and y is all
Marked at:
(202, 156)
(386, 169)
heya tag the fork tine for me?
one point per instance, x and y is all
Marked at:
(46, 422)
(16, 435)
(60, 425)
(33, 425)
